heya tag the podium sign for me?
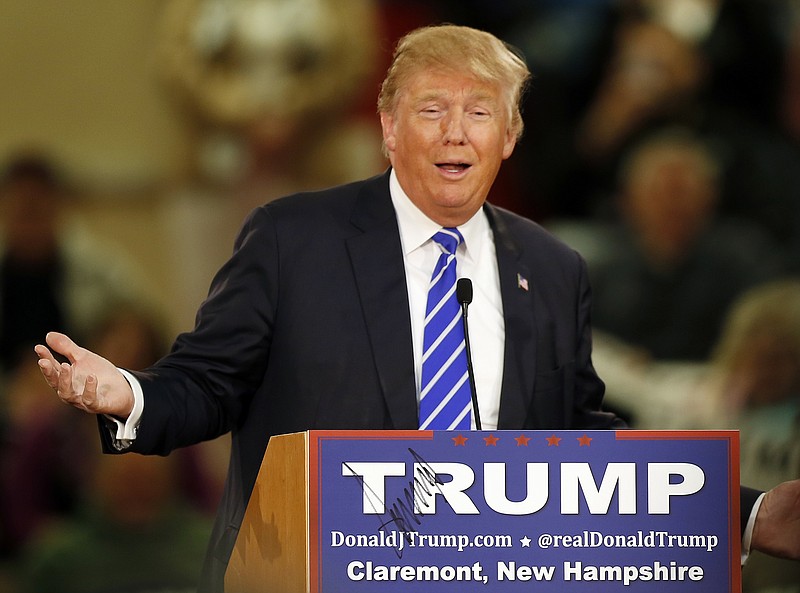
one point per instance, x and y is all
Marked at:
(554, 512)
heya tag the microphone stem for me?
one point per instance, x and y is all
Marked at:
(470, 373)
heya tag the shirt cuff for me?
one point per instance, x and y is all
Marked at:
(748, 530)
(124, 433)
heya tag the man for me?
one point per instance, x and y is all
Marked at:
(318, 319)
(53, 273)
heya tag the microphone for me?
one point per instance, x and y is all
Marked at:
(464, 296)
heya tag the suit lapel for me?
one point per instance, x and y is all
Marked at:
(516, 286)
(377, 260)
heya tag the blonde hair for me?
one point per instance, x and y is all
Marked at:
(456, 48)
(772, 307)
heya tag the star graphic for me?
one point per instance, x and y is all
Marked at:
(491, 440)
(553, 441)
(525, 541)
(585, 441)
(460, 441)
(522, 440)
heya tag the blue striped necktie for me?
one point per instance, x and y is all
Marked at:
(444, 390)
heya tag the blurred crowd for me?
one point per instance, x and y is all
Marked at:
(662, 142)
(71, 520)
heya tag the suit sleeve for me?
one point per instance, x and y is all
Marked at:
(200, 390)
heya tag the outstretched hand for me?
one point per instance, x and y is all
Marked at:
(88, 381)
(777, 527)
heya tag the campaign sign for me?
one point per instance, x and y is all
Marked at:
(548, 511)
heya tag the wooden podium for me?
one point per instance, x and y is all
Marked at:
(271, 552)
(331, 512)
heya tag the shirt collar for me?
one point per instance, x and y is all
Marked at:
(416, 228)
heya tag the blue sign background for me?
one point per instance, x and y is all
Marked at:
(499, 552)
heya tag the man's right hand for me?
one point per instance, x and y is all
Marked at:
(88, 381)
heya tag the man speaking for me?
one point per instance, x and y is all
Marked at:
(336, 311)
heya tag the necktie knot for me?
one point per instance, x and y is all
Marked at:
(449, 239)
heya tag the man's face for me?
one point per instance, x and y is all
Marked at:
(446, 139)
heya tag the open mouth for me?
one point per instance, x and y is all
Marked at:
(453, 167)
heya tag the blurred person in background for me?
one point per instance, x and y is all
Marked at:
(751, 382)
(669, 267)
(609, 73)
(134, 533)
(756, 379)
(52, 271)
(135, 335)
(654, 75)
(54, 456)
(31, 195)
(764, 181)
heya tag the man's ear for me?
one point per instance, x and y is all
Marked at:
(509, 144)
(387, 126)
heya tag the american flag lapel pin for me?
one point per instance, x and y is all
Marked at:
(522, 282)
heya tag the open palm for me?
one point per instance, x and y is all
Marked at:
(88, 381)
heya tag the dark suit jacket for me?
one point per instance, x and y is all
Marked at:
(307, 327)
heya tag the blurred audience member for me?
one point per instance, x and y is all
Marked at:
(51, 270)
(743, 41)
(31, 195)
(135, 337)
(51, 456)
(653, 74)
(757, 379)
(629, 67)
(789, 103)
(42, 462)
(751, 383)
(133, 534)
(671, 267)
(764, 179)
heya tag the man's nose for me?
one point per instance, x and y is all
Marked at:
(454, 131)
